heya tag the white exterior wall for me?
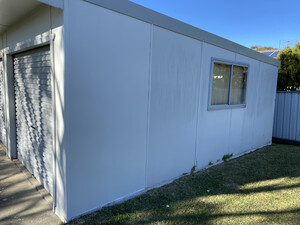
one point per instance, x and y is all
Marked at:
(213, 126)
(266, 104)
(138, 97)
(237, 130)
(109, 56)
(32, 31)
(173, 106)
(131, 103)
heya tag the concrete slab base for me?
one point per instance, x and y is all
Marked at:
(22, 198)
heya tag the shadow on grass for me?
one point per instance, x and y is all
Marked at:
(205, 218)
(185, 200)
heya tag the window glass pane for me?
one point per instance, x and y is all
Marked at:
(220, 84)
(238, 86)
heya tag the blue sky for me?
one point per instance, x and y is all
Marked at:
(251, 22)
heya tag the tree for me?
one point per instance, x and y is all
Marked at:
(289, 70)
(262, 48)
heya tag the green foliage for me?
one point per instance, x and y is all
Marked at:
(254, 47)
(210, 163)
(226, 157)
(193, 169)
(289, 70)
(262, 48)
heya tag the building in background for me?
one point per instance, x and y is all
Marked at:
(272, 53)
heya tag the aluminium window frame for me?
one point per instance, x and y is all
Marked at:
(211, 107)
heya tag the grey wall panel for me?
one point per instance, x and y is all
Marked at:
(293, 116)
(2, 106)
(34, 113)
(297, 134)
(280, 110)
(287, 116)
(275, 122)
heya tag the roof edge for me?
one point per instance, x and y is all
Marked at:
(150, 16)
(54, 3)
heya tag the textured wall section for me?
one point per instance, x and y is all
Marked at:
(173, 106)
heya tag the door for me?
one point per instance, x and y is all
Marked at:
(33, 100)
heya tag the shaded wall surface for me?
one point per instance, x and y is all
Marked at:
(35, 30)
(2, 105)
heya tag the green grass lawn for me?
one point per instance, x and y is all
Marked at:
(262, 187)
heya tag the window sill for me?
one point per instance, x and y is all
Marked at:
(221, 107)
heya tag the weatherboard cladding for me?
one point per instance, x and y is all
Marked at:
(147, 15)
